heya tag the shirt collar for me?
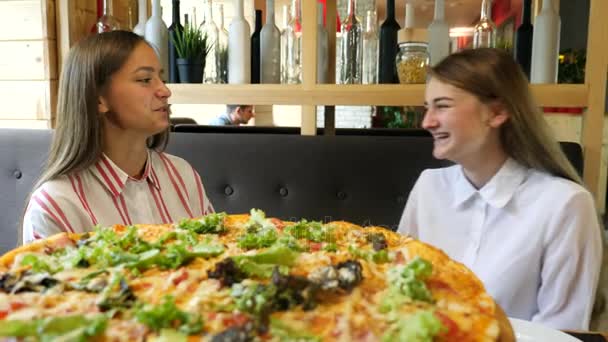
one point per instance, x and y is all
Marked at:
(114, 179)
(498, 191)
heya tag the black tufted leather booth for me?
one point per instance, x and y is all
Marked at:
(363, 179)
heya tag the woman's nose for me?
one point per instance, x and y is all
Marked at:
(429, 121)
(163, 90)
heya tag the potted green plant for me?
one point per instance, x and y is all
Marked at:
(192, 46)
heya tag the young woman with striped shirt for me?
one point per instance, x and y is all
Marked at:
(106, 164)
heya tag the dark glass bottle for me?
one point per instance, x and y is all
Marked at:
(175, 26)
(255, 48)
(523, 39)
(387, 72)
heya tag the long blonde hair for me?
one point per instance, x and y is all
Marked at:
(493, 76)
(78, 137)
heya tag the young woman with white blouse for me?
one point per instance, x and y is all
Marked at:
(106, 164)
(512, 209)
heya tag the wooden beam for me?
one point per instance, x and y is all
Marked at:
(21, 20)
(28, 60)
(331, 17)
(550, 95)
(595, 79)
(309, 63)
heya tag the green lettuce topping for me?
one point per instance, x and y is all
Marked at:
(261, 232)
(311, 230)
(168, 315)
(209, 224)
(284, 332)
(379, 257)
(420, 327)
(66, 328)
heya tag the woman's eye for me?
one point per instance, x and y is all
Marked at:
(145, 80)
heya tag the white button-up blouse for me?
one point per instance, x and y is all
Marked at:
(532, 238)
(169, 190)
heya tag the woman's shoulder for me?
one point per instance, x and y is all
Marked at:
(439, 176)
(172, 163)
(556, 187)
(57, 187)
(172, 160)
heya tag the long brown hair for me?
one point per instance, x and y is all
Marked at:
(493, 76)
(78, 137)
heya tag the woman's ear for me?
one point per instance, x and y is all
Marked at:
(499, 115)
(102, 105)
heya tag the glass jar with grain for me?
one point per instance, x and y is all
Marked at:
(412, 61)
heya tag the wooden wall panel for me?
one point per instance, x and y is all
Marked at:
(28, 60)
(21, 20)
(31, 100)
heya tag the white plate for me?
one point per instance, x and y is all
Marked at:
(532, 332)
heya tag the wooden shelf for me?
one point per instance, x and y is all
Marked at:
(549, 95)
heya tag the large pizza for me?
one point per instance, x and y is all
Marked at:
(242, 278)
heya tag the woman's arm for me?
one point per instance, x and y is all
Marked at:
(570, 265)
(40, 222)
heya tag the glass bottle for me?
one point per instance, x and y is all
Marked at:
(284, 34)
(175, 27)
(107, 22)
(523, 39)
(485, 31)
(351, 47)
(270, 48)
(142, 10)
(157, 34)
(370, 50)
(294, 46)
(255, 48)
(322, 47)
(222, 59)
(388, 46)
(210, 29)
(545, 46)
(239, 47)
(439, 35)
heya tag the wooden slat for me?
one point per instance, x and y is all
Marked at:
(309, 63)
(31, 100)
(563, 95)
(254, 94)
(21, 20)
(330, 17)
(48, 19)
(28, 60)
(595, 78)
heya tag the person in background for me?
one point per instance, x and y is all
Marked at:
(512, 209)
(235, 115)
(106, 164)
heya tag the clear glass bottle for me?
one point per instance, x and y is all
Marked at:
(350, 72)
(210, 29)
(412, 61)
(485, 31)
(222, 48)
(284, 34)
(107, 22)
(370, 50)
(439, 34)
(294, 46)
(270, 48)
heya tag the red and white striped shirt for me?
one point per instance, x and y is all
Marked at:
(169, 190)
